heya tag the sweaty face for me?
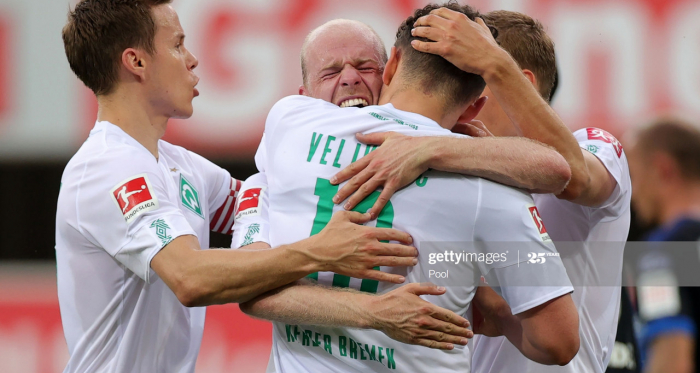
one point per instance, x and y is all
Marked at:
(494, 118)
(343, 68)
(170, 76)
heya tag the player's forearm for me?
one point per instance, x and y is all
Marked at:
(535, 119)
(671, 353)
(304, 303)
(218, 276)
(518, 162)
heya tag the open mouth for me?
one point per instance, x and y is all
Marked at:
(354, 102)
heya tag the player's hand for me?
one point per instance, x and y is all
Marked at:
(396, 163)
(474, 128)
(466, 44)
(348, 248)
(486, 306)
(404, 316)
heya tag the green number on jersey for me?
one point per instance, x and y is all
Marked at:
(324, 210)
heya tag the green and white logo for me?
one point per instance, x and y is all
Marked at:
(253, 229)
(162, 231)
(190, 197)
(592, 148)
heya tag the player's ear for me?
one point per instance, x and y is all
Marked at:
(134, 62)
(530, 76)
(472, 110)
(303, 91)
(391, 65)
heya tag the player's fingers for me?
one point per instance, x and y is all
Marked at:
(391, 250)
(390, 234)
(366, 189)
(350, 171)
(384, 197)
(376, 138)
(352, 216)
(427, 47)
(425, 288)
(481, 23)
(447, 13)
(394, 261)
(352, 186)
(430, 343)
(441, 337)
(432, 20)
(449, 317)
(451, 330)
(469, 130)
(373, 274)
(428, 33)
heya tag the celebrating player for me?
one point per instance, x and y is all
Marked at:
(134, 212)
(593, 208)
(433, 210)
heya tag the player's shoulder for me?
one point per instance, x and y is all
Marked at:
(502, 193)
(298, 103)
(595, 139)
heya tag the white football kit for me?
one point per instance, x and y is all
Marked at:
(591, 240)
(118, 206)
(306, 142)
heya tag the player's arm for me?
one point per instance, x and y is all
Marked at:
(202, 277)
(536, 312)
(401, 314)
(400, 159)
(671, 353)
(470, 46)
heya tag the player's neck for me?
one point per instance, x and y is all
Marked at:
(680, 203)
(128, 112)
(414, 101)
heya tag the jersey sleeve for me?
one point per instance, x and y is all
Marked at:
(222, 190)
(508, 223)
(122, 207)
(609, 151)
(252, 219)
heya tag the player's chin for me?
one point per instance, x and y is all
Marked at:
(183, 112)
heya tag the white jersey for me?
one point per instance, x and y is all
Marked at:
(591, 242)
(306, 142)
(118, 206)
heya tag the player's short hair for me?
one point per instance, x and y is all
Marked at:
(432, 72)
(676, 137)
(98, 32)
(527, 42)
(377, 41)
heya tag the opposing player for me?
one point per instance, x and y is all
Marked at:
(594, 208)
(134, 212)
(306, 140)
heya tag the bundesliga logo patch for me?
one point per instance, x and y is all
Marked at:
(604, 136)
(249, 202)
(133, 197)
(539, 223)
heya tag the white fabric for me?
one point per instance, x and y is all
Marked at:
(302, 149)
(118, 316)
(595, 238)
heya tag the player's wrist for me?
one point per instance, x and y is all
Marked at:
(302, 253)
(499, 68)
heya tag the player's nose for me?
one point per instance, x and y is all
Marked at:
(350, 76)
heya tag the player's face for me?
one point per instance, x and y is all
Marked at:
(171, 78)
(643, 184)
(344, 69)
(494, 118)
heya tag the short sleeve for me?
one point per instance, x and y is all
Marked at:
(509, 224)
(609, 151)
(123, 207)
(252, 219)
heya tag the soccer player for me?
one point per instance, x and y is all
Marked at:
(134, 212)
(665, 163)
(593, 208)
(307, 140)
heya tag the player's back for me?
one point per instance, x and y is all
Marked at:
(306, 142)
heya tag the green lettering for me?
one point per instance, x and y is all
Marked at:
(337, 156)
(391, 364)
(316, 341)
(314, 145)
(327, 343)
(327, 149)
(341, 281)
(342, 345)
(371, 354)
(422, 180)
(324, 210)
(296, 332)
(290, 335)
(362, 352)
(381, 355)
(370, 148)
(353, 349)
(306, 338)
(357, 152)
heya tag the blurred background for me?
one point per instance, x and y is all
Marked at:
(621, 63)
